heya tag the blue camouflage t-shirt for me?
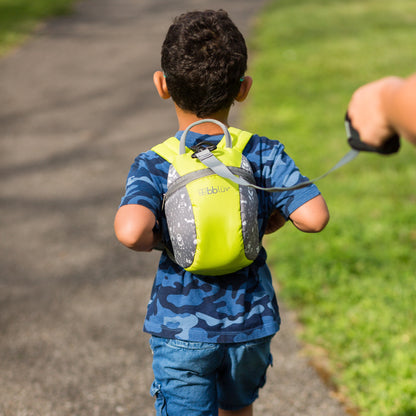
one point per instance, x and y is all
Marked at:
(234, 308)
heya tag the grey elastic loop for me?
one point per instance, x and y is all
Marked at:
(228, 141)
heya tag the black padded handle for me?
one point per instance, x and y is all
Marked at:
(389, 146)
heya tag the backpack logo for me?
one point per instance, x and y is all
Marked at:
(213, 190)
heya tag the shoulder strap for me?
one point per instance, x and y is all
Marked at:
(168, 149)
(240, 138)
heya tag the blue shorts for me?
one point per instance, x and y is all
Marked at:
(195, 378)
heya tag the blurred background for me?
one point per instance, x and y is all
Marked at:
(77, 105)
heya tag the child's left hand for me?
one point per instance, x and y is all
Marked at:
(275, 221)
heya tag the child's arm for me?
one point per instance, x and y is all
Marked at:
(134, 225)
(312, 216)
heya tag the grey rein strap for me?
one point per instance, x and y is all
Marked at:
(211, 162)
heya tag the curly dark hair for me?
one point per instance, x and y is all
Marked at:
(204, 57)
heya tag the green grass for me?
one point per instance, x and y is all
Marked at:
(18, 18)
(353, 285)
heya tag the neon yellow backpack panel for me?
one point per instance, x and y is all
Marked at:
(212, 220)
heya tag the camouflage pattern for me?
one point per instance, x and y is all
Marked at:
(235, 308)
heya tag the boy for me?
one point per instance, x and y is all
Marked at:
(210, 336)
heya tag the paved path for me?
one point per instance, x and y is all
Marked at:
(77, 104)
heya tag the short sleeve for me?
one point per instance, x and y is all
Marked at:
(146, 181)
(275, 168)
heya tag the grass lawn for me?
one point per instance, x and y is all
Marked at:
(353, 284)
(18, 18)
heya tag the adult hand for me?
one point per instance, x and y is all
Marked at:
(383, 108)
(367, 112)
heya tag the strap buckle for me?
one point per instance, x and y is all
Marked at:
(200, 147)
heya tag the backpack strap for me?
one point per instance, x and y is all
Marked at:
(168, 149)
(210, 161)
(240, 138)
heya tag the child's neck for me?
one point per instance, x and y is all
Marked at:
(186, 118)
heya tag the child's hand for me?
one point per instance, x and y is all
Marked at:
(157, 235)
(276, 221)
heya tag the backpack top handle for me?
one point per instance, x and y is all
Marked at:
(228, 141)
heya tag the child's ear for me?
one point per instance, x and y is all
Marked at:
(244, 89)
(160, 84)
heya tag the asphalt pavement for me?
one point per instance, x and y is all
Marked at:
(77, 105)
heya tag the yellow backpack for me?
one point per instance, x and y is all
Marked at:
(212, 220)
(211, 204)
